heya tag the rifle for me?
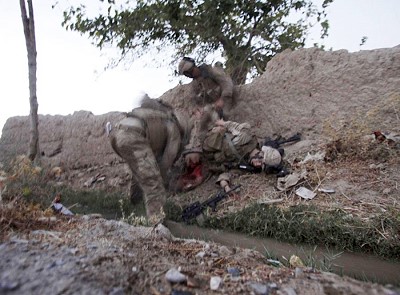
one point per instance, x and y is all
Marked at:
(276, 143)
(243, 166)
(249, 168)
(195, 209)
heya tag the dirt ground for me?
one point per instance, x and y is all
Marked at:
(361, 187)
(91, 255)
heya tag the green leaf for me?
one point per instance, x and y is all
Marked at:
(248, 33)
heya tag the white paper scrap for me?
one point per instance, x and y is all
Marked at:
(305, 193)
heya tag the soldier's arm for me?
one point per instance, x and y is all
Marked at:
(171, 148)
(235, 128)
(225, 82)
(224, 180)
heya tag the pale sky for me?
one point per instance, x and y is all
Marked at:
(70, 73)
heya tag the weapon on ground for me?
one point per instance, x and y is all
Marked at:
(276, 143)
(196, 208)
(243, 166)
(249, 168)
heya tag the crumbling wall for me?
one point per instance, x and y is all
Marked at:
(73, 141)
(299, 91)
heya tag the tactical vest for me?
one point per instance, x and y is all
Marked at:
(218, 148)
(207, 90)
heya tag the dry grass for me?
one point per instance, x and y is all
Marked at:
(18, 216)
(28, 194)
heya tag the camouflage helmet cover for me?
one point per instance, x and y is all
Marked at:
(186, 64)
(272, 156)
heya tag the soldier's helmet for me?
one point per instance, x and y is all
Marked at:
(272, 157)
(186, 65)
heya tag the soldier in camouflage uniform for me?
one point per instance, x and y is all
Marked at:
(212, 92)
(210, 86)
(150, 140)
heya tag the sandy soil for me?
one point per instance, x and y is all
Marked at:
(90, 255)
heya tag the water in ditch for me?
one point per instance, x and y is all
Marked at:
(359, 266)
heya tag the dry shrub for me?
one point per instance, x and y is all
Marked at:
(26, 179)
(354, 137)
(22, 167)
(16, 213)
(316, 173)
(19, 216)
(386, 114)
(32, 184)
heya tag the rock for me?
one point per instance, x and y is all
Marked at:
(215, 282)
(298, 272)
(91, 216)
(47, 219)
(224, 251)
(259, 289)
(233, 271)
(386, 191)
(201, 254)
(163, 231)
(7, 286)
(287, 291)
(175, 276)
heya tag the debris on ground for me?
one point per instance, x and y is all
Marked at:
(85, 255)
(59, 208)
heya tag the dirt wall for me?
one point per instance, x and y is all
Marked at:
(299, 92)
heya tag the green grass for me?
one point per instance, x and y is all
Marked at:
(110, 204)
(306, 224)
(302, 224)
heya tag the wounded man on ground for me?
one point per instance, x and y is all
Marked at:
(230, 145)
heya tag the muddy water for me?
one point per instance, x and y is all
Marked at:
(359, 266)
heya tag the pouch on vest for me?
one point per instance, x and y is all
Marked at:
(213, 147)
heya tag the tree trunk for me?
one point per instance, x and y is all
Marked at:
(239, 75)
(29, 31)
(237, 63)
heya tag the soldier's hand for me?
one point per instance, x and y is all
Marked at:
(219, 103)
(220, 123)
(233, 194)
(192, 159)
(198, 113)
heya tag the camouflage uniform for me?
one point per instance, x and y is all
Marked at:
(231, 144)
(149, 141)
(212, 85)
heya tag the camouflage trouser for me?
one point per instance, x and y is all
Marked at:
(133, 146)
(135, 191)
